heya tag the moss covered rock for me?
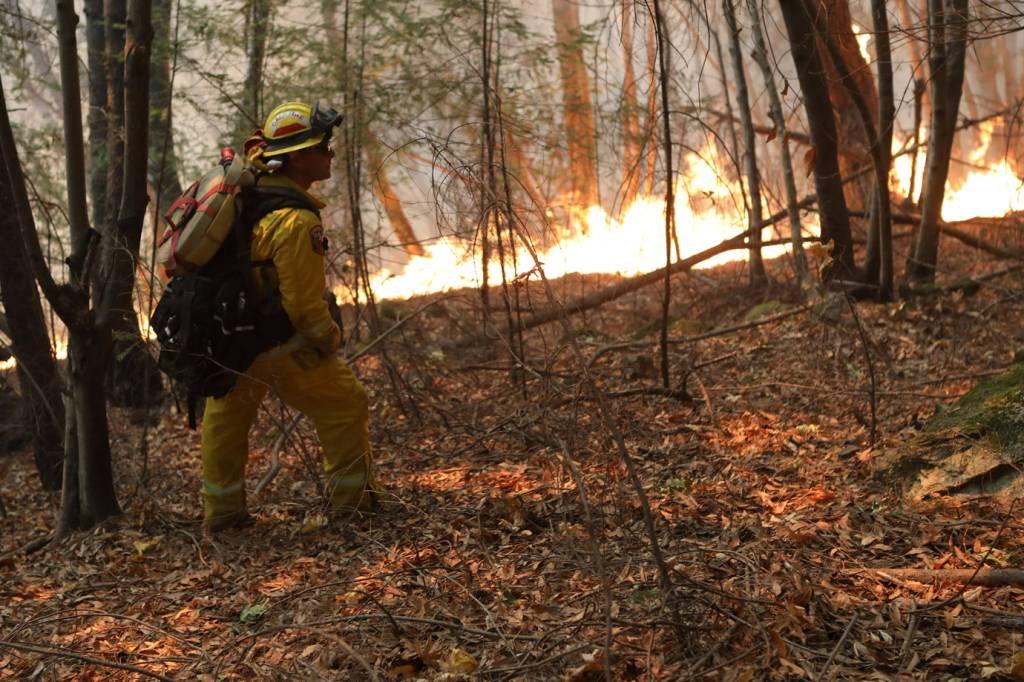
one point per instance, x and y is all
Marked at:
(974, 447)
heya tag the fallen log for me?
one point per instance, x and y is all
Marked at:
(610, 293)
(954, 231)
(987, 577)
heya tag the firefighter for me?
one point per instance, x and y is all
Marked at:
(305, 371)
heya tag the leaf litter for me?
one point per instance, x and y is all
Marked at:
(489, 560)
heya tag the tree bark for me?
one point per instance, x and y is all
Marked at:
(757, 273)
(89, 336)
(578, 111)
(134, 377)
(835, 220)
(854, 142)
(30, 342)
(664, 69)
(115, 16)
(947, 49)
(163, 160)
(631, 138)
(883, 148)
(95, 37)
(651, 121)
(257, 20)
(779, 119)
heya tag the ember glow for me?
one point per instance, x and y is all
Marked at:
(708, 210)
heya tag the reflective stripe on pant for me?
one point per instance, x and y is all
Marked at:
(329, 394)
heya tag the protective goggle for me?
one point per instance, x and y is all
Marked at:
(323, 118)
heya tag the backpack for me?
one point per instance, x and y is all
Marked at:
(201, 218)
(210, 323)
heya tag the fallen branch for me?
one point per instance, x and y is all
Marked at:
(953, 230)
(720, 331)
(986, 577)
(65, 653)
(624, 287)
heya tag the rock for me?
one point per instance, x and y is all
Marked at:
(975, 447)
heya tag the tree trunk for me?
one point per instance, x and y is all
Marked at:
(651, 122)
(257, 20)
(947, 48)
(37, 371)
(754, 215)
(389, 200)
(854, 142)
(664, 71)
(835, 219)
(95, 37)
(883, 148)
(576, 104)
(779, 121)
(115, 14)
(631, 138)
(134, 377)
(88, 346)
(163, 161)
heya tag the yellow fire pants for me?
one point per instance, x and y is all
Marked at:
(328, 393)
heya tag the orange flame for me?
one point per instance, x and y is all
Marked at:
(706, 213)
(990, 192)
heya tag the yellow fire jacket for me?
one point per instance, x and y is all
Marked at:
(293, 239)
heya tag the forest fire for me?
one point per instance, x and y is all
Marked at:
(983, 191)
(708, 210)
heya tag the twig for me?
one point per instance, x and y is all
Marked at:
(721, 331)
(530, 666)
(65, 653)
(354, 654)
(595, 549)
(986, 577)
(28, 548)
(908, 640)
(837, 647)
(871, 368)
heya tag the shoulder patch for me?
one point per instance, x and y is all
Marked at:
(317, 240)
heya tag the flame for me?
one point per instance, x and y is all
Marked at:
(863, 40)
(706, 213)
(989, 192)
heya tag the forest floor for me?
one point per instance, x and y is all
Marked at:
(513, 543)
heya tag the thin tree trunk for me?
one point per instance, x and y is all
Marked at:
(486, 152)
(89, 336)
(37, 370)
(163, 160)
(779, 121)
(577, 107)
(257, 20)
(883, 147)
(134, 377)
(835, 220)
(631, 138)
(115, 15)
(651, 122)
(754, 214)
(664, 64)
(947, 29)
(854, 142)
(95, 36)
